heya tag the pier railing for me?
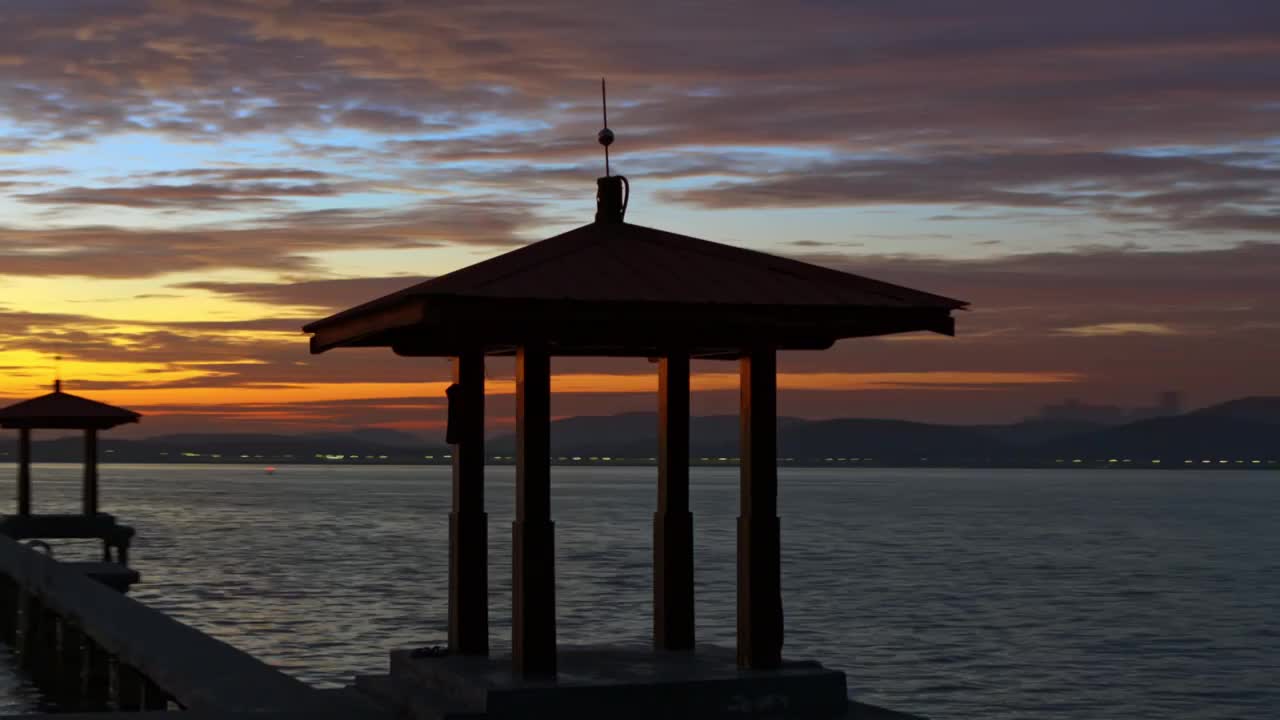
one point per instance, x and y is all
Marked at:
(98, 646)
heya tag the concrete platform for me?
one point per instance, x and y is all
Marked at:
(621, 682)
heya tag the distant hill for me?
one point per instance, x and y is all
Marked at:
(896, 441)
(376, 436)
(1258, 409)
(1246, 429)
(1030, 433)
(633, 435)
(1185, 437)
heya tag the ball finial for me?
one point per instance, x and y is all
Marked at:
(605, 137)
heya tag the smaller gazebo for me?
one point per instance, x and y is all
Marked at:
(59, 410)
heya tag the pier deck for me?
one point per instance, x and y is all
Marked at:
(102, 647)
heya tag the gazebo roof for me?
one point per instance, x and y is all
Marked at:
(60, 410)
(613, 288)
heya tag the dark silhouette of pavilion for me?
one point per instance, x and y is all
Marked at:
(60, 410)
(611, 288)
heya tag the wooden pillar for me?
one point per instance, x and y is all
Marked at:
(673, 626)
(468, 523)
(533, 632)
(91, 472)
(24, 471)
(759, 550)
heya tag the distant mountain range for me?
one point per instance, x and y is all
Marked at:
(1239, 432)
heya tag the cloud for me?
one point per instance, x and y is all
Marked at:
(1113, 329)
(1230, 192)
(1175, 286)
(280, 243)
(387, 121)
(864, 75)
(323, 295)
(237, 174)
(197, 196)
(1144, 123)
(995, 105)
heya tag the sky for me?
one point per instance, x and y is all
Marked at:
(185, 183)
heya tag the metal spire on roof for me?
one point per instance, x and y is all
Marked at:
(605, 136)
(57, 373)
(612, 192)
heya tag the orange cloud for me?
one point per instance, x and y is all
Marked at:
(1113, 329)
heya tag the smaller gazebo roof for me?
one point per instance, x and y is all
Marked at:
(64, 411)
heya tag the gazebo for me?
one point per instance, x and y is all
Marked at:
(60, 410)
(611, 288)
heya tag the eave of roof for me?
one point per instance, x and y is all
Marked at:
(618, 266)
(60, 410)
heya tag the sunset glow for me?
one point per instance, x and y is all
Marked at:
(185, 183)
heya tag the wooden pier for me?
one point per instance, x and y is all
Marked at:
(91, 647)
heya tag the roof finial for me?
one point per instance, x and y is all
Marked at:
(612, 192)
(605, 136)
(57, 373)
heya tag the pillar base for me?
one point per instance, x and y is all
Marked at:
(533, 602)
(673, 618)
(759, 592)
(620, 682)
(469, 583)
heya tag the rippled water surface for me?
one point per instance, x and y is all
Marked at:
(953, 593)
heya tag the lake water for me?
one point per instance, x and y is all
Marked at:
(953, 593)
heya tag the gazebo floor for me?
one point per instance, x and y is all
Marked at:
(615, 682)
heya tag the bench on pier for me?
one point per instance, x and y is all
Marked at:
(102, 526)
